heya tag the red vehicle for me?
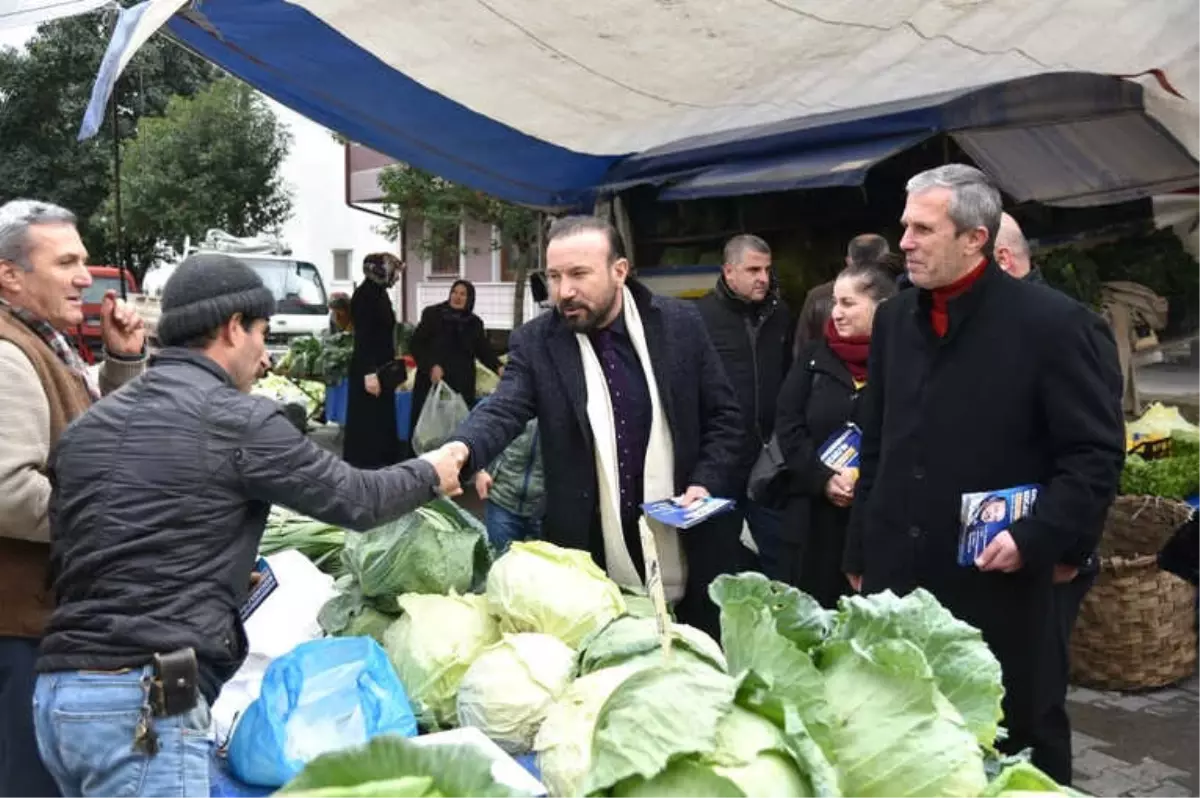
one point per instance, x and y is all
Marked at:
(104, 278)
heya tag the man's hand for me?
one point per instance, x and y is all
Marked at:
(371, 382)
(840, 489)
(1064, 573)
(121, 328)
(692, 495)
(500, 371)
(483, 484)
(436, 374)
(855, 581)
(448, 466)
(1001, 554)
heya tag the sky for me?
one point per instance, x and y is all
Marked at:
(16, 37)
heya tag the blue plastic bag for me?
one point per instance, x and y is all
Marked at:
(323, 695)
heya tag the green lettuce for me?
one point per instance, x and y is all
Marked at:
(394, 766)
(966, 671)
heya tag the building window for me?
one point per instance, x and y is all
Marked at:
(444, 249)
(341, 265)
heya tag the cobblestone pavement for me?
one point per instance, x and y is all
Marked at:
(1137, 744)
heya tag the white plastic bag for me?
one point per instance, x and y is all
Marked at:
(444, 410)
(286, 618)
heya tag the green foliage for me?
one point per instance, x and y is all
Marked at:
(1156, 260)
(411, 192)
(43, 93)
(212, 160)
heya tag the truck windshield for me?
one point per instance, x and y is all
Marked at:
(296, 285)
(94, 293)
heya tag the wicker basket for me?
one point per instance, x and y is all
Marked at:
(1137, 627)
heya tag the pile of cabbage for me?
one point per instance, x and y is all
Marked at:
(887, 696)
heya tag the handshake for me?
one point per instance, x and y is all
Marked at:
(448, 461)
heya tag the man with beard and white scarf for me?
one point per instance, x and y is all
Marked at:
(634, 406)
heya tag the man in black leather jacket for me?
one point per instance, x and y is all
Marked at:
(161, 494)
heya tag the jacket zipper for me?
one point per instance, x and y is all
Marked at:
(753, 330)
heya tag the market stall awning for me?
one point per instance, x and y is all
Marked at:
(828, 167)
(1099, 161)
(533, 100)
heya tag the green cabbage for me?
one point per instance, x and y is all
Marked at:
(393, 766)
(966, 671)
(434, 549)
(432, 645)
(627, 638)
(751, 758)
(894, 733)
(625, 721)
(510, 686)
(539, 587)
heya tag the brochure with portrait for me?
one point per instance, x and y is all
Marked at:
(985, 515)
(669, 513)
(842, 450)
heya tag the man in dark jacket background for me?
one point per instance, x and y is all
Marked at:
(751, 328)
(980, 383)
(161, 493)
(633, 405)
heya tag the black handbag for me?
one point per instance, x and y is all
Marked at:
(768, 477)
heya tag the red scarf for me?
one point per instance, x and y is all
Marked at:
(852, 350)
(939, 314)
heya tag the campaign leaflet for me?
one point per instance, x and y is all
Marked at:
(669, 513)
(841, 451)
(985, 515)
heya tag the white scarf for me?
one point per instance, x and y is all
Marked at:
(658, 481)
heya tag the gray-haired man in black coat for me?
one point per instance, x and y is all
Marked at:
(633, 405)
(979, 382)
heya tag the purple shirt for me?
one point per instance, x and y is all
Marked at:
(632, 416)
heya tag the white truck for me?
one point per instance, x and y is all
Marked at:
(302, 306)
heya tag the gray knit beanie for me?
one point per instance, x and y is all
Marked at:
(205, 291)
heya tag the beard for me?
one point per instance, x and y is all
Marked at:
(589, 319)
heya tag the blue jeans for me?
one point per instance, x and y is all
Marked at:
(21, 770)
(505, 526)
(86, 723)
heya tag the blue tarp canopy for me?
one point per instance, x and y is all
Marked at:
(1066, 139)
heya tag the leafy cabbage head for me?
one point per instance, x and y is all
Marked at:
(539, 587)
(509, 688)
(751, 759)
(432, 645)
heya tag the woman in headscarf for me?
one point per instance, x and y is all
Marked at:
(818, 399)
(446, 344)
(371, 440)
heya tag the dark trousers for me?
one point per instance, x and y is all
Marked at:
(1050, 736)
(714, 548)
(21, 768)
(1051, 742)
